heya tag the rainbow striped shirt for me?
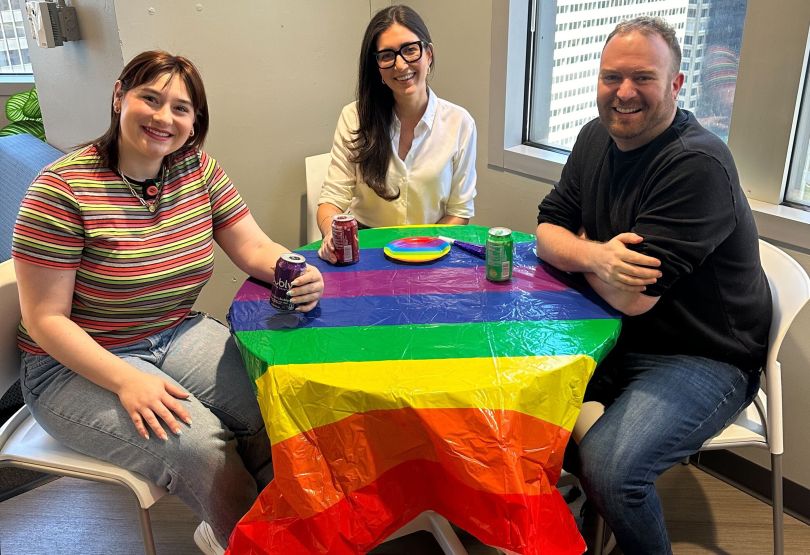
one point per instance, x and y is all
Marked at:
(137, 272)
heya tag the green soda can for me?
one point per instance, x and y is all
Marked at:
(499, 254)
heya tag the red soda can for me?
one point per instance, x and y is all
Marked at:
(288, 267)
(344, 237)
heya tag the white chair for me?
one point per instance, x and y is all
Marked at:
(437, 525)
(760, 424)
(316, 174)
(24, 444)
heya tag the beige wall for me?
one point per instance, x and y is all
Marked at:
(277, 73)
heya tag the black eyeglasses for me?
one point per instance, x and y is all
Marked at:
(410, 52)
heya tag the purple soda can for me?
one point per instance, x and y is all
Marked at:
(344, 237)
(288, 267)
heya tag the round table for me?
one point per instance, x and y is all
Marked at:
(416, 387)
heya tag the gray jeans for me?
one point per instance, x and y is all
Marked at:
(218, 463)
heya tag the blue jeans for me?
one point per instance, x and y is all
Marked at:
(664, 408)
(218, 464)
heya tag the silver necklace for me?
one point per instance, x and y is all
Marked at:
(150, 205)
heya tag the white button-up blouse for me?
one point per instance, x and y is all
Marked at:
(435, 179)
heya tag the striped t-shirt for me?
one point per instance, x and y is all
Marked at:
(137, 272)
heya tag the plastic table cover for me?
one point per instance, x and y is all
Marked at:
(415, 387)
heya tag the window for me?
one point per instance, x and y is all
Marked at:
(13, 44)
(765, 130)
(709, 87)
(798, 187)
(799, 191)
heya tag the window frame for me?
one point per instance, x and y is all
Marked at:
(24, 76)
(506, 150)
(761, 140)
(800, 147)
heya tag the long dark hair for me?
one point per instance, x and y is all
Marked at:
(371, 146)
(145, 68)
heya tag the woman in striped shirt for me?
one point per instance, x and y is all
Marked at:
(112, 245)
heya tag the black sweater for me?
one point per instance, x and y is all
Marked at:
(681, 193)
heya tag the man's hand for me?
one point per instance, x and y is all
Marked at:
(617, 274)
(623, 268)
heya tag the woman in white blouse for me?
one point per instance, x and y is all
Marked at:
(400, 155)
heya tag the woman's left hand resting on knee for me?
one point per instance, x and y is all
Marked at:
(45, 299)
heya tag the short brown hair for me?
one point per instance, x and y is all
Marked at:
(145, 68)
(647, 25)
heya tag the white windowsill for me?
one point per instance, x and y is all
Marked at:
(532, 162)
(17, 78)
(783, 224)
(10, 84)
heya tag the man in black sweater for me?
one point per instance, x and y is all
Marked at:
(650, 211)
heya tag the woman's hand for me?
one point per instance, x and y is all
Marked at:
(327, 249)
(149, 399)
(45, 301)
(306, 289)
(326, 212)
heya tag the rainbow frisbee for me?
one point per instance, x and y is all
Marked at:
(416, 249)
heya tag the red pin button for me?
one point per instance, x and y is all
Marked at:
(151, 191)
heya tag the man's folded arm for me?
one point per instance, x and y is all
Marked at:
(617, 274)
(627, 302)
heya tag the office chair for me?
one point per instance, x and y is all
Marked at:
(24, 444)
(760, 424)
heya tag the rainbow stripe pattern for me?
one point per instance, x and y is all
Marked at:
(416, 249)
(417, 387)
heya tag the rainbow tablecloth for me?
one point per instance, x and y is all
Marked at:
(416, 387)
